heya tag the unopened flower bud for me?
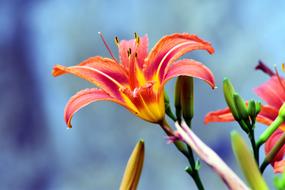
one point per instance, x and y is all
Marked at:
(240, 107)
(187, 98)
(177, 99)
(247, 162)
(134, 167)
(257, 108)
(228, 94)
(251, 109)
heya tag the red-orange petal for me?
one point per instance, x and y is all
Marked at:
(188, 67)
(266, 115)
(170, 48)
(272, 92)
(103, 80)
(222, 115)
(105, 65)
(85, 97)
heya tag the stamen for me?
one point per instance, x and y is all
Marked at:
(137, 38)
(106, 45)
(117, 40)
(279, 78)
(129, 52)
(283, 66)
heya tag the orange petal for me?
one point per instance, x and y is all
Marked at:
(272, 92)
(223, 115)
(85, 97)
(188, 67)
(279, 166)
(170, 48)
(107, 81)
(266, 115)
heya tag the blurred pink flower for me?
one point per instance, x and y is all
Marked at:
(273, 93)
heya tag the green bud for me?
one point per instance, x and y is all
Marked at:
(187, 98)
(247, 162)
(251, 109)
(257, 108)
(177, 99)
(228, 94)
(240, 106)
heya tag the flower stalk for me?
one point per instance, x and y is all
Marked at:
(273, 126)
(210, 157)
(192, 170)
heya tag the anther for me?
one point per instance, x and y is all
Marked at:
(117, 40)
(137, 38)
(129, 52)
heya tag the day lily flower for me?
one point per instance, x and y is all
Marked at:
(136, 81)
(273, 93)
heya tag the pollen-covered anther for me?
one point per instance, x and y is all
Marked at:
(117, 41)
(129, 52)
(137, 38)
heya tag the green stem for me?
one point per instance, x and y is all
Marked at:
(187, 152)
(270, 156)
(194, 172)
(269, 130)
(255, 148)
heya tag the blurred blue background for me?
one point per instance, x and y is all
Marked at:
(38, 152)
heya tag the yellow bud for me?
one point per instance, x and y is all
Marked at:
(134, 168)
(247, 162)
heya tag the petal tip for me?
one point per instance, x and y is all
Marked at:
(57, 70)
